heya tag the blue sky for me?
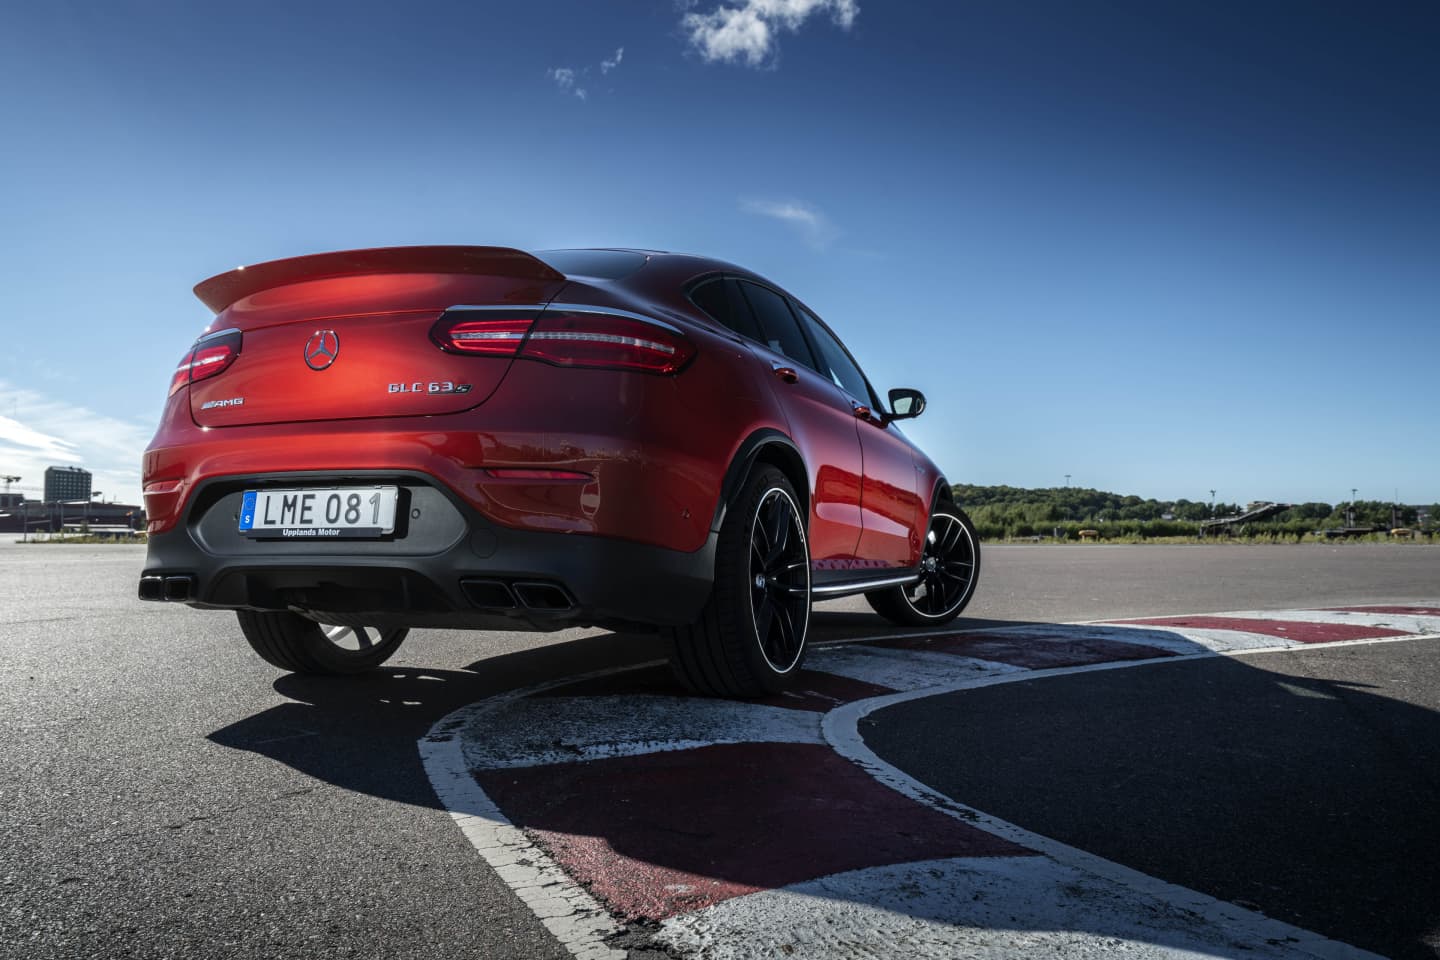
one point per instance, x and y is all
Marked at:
(1161, 247)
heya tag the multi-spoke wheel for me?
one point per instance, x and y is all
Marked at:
(292, 642)
(949, 570)
(751, 635)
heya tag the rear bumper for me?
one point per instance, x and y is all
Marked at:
(447, 566)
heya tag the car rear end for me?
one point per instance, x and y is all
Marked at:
(448, 436)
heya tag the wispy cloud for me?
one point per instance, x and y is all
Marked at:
(37, 431)
(812, 225)
(749, 32)
(564, 78)
(574, 81)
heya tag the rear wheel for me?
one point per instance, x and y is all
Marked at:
(949, 570)
(295, 643)
(750, 638)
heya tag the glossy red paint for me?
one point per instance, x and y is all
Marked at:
(535, 438)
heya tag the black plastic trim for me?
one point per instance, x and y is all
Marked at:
(609, 582)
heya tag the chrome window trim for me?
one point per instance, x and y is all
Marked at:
(217, 334)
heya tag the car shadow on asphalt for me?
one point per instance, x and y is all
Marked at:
(360, 734)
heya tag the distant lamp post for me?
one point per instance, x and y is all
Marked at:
(1212, 504)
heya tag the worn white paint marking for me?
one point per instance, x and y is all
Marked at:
(1411, 623)
(1206, 638)
(900, 669)
(841, 728)
(566, 909)
(971, 907)
(534, 731)
(576, 919)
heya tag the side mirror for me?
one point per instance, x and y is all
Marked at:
(906, 403)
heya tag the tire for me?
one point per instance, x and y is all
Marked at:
(750, 638)
(950, 568)
(299, 645)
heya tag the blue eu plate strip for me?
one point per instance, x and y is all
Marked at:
(247, 511)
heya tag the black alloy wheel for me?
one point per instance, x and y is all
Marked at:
(779, 580)
(300, 645)
(750, 638)
(949, 571)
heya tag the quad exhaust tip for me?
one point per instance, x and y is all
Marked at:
(538, 595)
(176, 588)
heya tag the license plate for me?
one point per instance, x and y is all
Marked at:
(337, 513)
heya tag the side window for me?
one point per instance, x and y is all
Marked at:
(721, 299)
(780, 329)
(836, 362)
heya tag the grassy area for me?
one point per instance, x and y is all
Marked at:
(87, 538)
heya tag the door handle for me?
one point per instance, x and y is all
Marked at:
(785, 373)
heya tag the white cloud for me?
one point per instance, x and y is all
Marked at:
(811, 223)
(565, 78)
(41, 432)
(749, 32)
(607, 65)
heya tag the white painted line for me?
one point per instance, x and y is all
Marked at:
(1410, 623)
(963, 907)
(900, 669)
(841, 728)
(534, 731)
(576, 919)
(1213, 638)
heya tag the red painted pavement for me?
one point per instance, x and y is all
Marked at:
(666, 833)
(1035, 651)
(1405, 611)
(1289, 629)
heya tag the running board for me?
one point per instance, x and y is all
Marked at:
(861, 586)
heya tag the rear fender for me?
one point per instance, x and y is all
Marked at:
(769, 446)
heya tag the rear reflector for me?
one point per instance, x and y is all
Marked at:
(210, 357)
(608, 341)
(525, 473)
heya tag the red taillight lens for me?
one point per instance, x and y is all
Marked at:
(481, 334)
(211, 356)
(605, 340)
(182, 373)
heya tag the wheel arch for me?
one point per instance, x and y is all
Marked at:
(771, 447)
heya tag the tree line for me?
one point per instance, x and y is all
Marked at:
(1001, 512)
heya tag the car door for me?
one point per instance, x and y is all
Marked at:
(892, 512)
(822, 425)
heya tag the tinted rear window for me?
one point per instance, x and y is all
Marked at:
(597, 264)
(781, 329)
(721, 300)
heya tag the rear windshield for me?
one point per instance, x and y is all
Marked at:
(595, 264)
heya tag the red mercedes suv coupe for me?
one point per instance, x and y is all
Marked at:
(369, 441)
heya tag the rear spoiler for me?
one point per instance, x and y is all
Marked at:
(224, 289)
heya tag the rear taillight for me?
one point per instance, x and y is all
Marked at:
(210, 357)
(579, 339)
(567, 337)
(482, 334)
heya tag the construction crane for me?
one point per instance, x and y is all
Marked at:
(9, 480)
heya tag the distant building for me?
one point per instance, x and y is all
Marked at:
(66, 483)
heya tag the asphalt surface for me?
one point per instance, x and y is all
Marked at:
(1302, 784)
(166, 793)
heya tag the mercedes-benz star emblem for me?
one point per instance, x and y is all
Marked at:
(322, 349)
